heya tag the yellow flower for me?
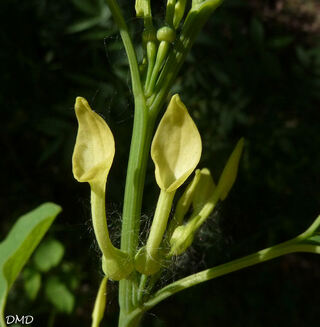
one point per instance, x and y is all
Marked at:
(92, 159)
(176, 146)
(94, 149)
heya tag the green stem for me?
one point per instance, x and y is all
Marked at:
(141, 134)
(139, 150)
(142, 286)
(131, 54)
(264, 255)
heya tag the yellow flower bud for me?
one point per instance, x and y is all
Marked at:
(230, 171)
(142, 8)
(94, 149)
(176, 146)
(166, 34)
(179, 9)
(182, 238)
(204, 190)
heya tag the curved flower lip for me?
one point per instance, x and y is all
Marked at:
(176, 147)
(94, 149)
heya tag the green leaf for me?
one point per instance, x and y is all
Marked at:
(32, 283)
(48, 255)
(18, 246)
(59, 295)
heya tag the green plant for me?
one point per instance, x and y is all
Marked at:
(175, 150)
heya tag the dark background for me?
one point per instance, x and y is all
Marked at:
(254, 72)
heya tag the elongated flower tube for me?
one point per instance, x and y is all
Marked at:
(183, 204)
(92, 159)
(176, 151)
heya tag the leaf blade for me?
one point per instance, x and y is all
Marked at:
(19, 244)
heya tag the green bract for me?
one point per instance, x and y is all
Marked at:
(176, 146)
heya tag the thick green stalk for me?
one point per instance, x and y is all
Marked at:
(137, 160)
(131, 54)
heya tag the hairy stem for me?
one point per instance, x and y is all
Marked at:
(205, 275)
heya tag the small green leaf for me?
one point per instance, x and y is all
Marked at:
(48, 255)
(32, 283)
(59, 295)
(18, 246)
